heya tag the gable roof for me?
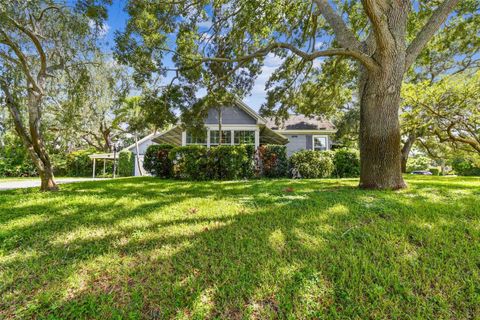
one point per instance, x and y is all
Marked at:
(300, 122)
(250, 111)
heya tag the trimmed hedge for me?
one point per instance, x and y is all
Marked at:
(346, 163)
(224, 162)
(189, 162)
(157, 161)
(126, 164)
(311, 164)
(273, 160)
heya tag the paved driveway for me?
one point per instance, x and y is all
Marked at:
(32, 183)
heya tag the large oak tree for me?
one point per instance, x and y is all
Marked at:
(300, 31)
(40, 40)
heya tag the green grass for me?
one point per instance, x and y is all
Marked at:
(147, 248)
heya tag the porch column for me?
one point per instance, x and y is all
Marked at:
(257, 138)
(94, 162)
(208, 137)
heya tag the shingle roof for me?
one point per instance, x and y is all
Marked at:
(301, 122)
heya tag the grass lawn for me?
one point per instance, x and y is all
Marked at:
(147, 248)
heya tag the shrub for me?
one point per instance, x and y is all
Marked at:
(273, 160)
(418, 163)
(434, 171)
(311, 164)
(346, 163)
(224, 162)
(78, 164)
(190, 162)
(126, 164)
(157, 161)
(14, 158)
(465, 167)
(229, 162)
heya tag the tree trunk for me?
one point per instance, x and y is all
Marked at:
(379, 93)
(32, 139)
(406, 150)
(47, 180)
(380, 133)
(137, 156)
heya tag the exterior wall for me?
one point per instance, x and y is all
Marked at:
(137, 171)
(296, 142)
(230, 115)
(142, 147)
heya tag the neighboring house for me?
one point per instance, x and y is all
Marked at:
(242, 125)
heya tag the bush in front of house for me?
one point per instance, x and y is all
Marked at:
(126, 163)
(346, 163)
(224, 162)
(273, 160)
(157, 161)
(190, 162)
(311, 164)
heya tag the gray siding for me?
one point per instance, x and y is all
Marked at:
(230, 115)
(296, 143)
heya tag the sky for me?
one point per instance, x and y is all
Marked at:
(117, 19)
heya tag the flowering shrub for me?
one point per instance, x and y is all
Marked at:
(273, 160)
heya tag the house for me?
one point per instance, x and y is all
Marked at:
(242, 125)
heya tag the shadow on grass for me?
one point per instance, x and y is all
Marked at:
(147, 248)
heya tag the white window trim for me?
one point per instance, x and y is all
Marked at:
(321, 136)
(231, 128)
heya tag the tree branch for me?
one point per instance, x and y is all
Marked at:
(367, 61)
(21, 57)
(345, 37)
(379, 24)
(438, 17)
(38, 46)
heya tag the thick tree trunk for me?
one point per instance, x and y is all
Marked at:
(406, 150)
(380, 132)
(380, 87)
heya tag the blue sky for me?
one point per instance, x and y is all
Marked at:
(117, 19)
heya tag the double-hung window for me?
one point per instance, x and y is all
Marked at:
(320, 143)
(196, 137)
(215, 137)
(244, 137)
